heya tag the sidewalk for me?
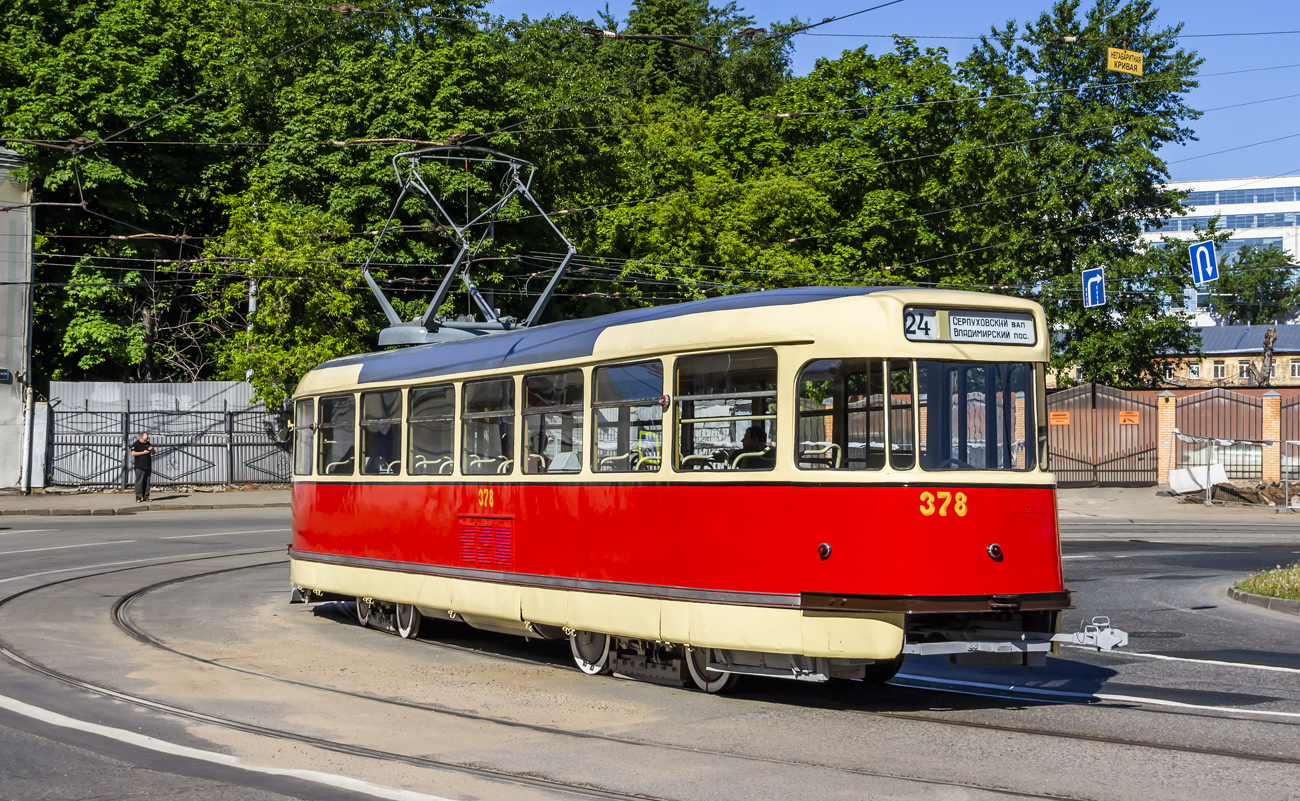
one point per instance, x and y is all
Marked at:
(122, 503)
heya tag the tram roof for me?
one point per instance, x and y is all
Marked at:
(577, 339)
(568, 339)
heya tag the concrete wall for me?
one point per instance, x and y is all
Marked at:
(15, 283)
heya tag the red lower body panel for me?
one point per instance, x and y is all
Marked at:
(677, 539)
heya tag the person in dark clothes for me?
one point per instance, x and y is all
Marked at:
(143, 453)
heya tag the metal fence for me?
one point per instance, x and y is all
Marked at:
(1222, 414)
(90, 448)
(1101, 436)
(1290, 430)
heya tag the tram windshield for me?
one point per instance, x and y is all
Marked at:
(976, 416)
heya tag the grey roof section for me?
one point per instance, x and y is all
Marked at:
(1248, 338)
(197, 396)
(570, 339)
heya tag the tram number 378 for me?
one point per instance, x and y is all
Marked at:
(932, 502)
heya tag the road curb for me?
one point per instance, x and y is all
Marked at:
(130, 510)
(1285, 605)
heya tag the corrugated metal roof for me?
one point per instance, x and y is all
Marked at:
(197, 396)
(1248, 338)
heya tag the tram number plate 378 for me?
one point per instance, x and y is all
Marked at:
(943, 502)
(920, 324)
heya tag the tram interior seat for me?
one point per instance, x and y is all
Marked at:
(821, 451)
(755, 460)
(565, 462)
(341, 467)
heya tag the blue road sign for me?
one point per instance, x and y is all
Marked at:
(1205, 262)
(1094, 288)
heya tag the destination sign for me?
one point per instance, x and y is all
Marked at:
(996, 328)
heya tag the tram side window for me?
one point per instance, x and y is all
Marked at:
(553, 423)
(841, 415)
(628, 417)
(304, 427)
(726, 407)
(902, 438)
(488, 417)
(334, 452)
(381, 433)
(976, 416)
(431, 426)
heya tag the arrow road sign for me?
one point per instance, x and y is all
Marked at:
(1094, 288)
(1205, 262)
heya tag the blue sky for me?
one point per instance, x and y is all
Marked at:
(1217, 130)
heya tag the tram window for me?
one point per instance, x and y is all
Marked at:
(902, 441)
(841, 415)
(334, 452)
(304, 427)
(628, 417)
(381, 433)
(726, 409)
(553, 423)
(976, 416)
(488, 417)
(431, 424)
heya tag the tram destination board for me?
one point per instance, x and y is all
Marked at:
(957, 325)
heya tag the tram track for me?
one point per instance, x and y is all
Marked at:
(20, 659)
(121, 618)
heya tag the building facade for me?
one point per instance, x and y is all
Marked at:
(1258, 211)
(15, 284)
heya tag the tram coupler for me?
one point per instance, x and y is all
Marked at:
(1097, 633)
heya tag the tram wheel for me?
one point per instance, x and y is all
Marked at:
(364, 612)
(590, 652)
(882, 670)
(709, 681)
(407, 618)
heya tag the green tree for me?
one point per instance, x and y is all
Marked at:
(1256, 286)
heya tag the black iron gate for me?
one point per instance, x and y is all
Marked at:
(191, 447)
(1099, 436)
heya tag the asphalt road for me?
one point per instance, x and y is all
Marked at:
(234, 694)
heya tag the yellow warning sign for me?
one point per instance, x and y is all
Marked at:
(1059, 418)
(1129, 419)
(1129, 61)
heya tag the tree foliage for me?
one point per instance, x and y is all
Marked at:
(1256, 286)
(244, 141)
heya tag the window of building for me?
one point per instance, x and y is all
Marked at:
(841, 405)
(977, 416)
(304, 428)
(1193, 369)
(431, 424)
(553, 423)
(381, 433)
(1272, 369)
(1243, 369)
(334, 452)
(1295, 368)
(628, 417)
(1220, 370)
(726, 407)
(488, 420)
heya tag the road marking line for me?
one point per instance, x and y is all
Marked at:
(160, 559)
(221, 533)
(37, 530)
(1166, 658)
(164, 747)
(63, 547)
(1064, 694)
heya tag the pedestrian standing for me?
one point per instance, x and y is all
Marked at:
(143, 453)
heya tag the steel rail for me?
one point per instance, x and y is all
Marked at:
(120, 617)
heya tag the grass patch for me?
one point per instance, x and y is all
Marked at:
(1281, 582)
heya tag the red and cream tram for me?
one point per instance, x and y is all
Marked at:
(808, 483)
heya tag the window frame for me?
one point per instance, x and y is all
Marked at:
(1030, 446)
(466, 417)
(678, 420)
(1194, 370)
(642, 464)
(885, 411)
(410, 420)
(398, 421)
(578, 409)
(321, 427)
(310, 437)
(1219, 370)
